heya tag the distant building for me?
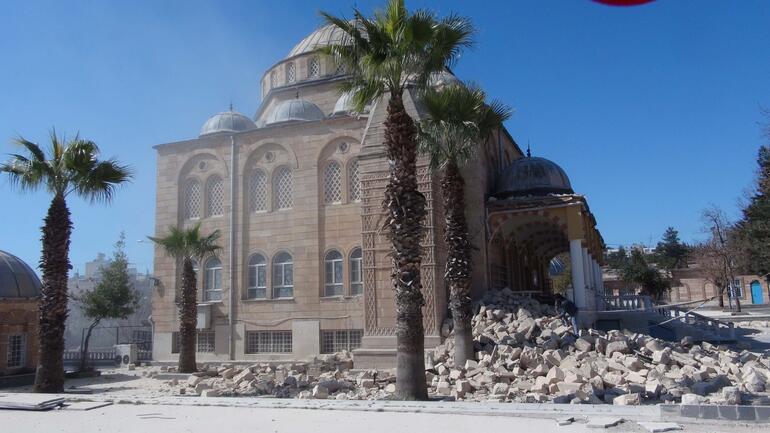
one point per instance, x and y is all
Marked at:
(19, 298)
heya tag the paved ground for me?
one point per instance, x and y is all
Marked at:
(173, 419)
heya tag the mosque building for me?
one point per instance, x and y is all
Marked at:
(19, 301)
(297, 194)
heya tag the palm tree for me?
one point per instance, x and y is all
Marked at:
(187, 245)
(69, 167)
(384, 55)
(457, 120)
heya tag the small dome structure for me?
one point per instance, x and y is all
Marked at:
(324, 36)
(532, 176)
(17, 279)
(227, 122)
(294, 110)
(442, 79)
(344, 105)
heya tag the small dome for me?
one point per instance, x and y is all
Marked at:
(294, 110)
(532, 176)
(17, 279)
(228, 121)
(324, 36)
(443, 78)
(344, 104)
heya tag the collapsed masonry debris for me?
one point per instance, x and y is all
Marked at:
(524, 353)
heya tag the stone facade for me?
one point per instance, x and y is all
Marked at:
(236, 182)
(18, 335)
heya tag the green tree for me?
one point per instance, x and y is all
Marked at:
(618, 259)
(113, 297)
(186, 245)
(671, 253)
(457, 119)
(384, 55)
(70, 167)
(753, 231)
(639, 272)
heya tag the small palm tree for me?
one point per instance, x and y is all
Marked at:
(69, 167)
(385, 55)
(458, 119)
(187, 245)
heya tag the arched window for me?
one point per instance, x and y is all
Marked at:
(291, 72)
(283, 276)
(215, 196)
(356, 272)
(257, 277)
(354, 183)
(258, 191)
(283, 190)
(333, 183)
(313, 67)
(273, 79)
(333, 273)
(212, 280)
(192, 200)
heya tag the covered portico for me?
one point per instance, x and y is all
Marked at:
(533, 216)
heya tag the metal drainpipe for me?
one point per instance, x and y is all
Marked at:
(233, 279)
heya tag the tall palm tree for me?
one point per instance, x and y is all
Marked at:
(187, 245)
(69, 167)
(384, 55)
(457, 120)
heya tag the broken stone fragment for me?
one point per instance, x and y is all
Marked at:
(627, 400)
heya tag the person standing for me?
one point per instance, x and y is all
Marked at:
(568, 312)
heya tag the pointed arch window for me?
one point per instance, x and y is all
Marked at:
(356, 272)
(333, 183)
(192, 200)
(215, 196)
(212, 282)
(333, 273)
(313, 67)
(257, 277)
(283, 275)
(284, 189)
(354, 182)
(258, 191)
(291, 72)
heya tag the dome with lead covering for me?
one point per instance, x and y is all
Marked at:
(324, 36)
(227, 122)
(17, 279)
(344, 104)
(293, 110)
(532, 176)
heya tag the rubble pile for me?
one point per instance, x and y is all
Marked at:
(524, 353)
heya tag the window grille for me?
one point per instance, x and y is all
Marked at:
(257, 277)
(258, 190)
(339, 69)
(354, 183)
(333, 183)
(273, 79)
(192, 200)
(283, 276)
(212, 287)
(342, 339)
(205, 341)
(216, 196)
(17, 350)
(291, 73)
(333, 274)
(284, 189)
(356, 272)
(313, 67)
(268, 342)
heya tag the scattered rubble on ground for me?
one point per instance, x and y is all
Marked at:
(524, 353)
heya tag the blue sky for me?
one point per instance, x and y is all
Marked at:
(652, 110)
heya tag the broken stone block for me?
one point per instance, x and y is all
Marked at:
(320, 392)
(690, 399)
(210, 393)
(627, 400)
(583, 344)
(193, 380)
(245, 375)
(620, 346)
(731, 395)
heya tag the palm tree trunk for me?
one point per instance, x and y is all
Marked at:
(458, 265)
(84, 351)
(55, 265)
(406, 211)
(188, 320)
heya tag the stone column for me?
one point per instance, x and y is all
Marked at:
(578, 277)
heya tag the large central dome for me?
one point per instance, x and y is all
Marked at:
(326, 35)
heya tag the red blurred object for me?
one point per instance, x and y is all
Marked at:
(624, 2)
